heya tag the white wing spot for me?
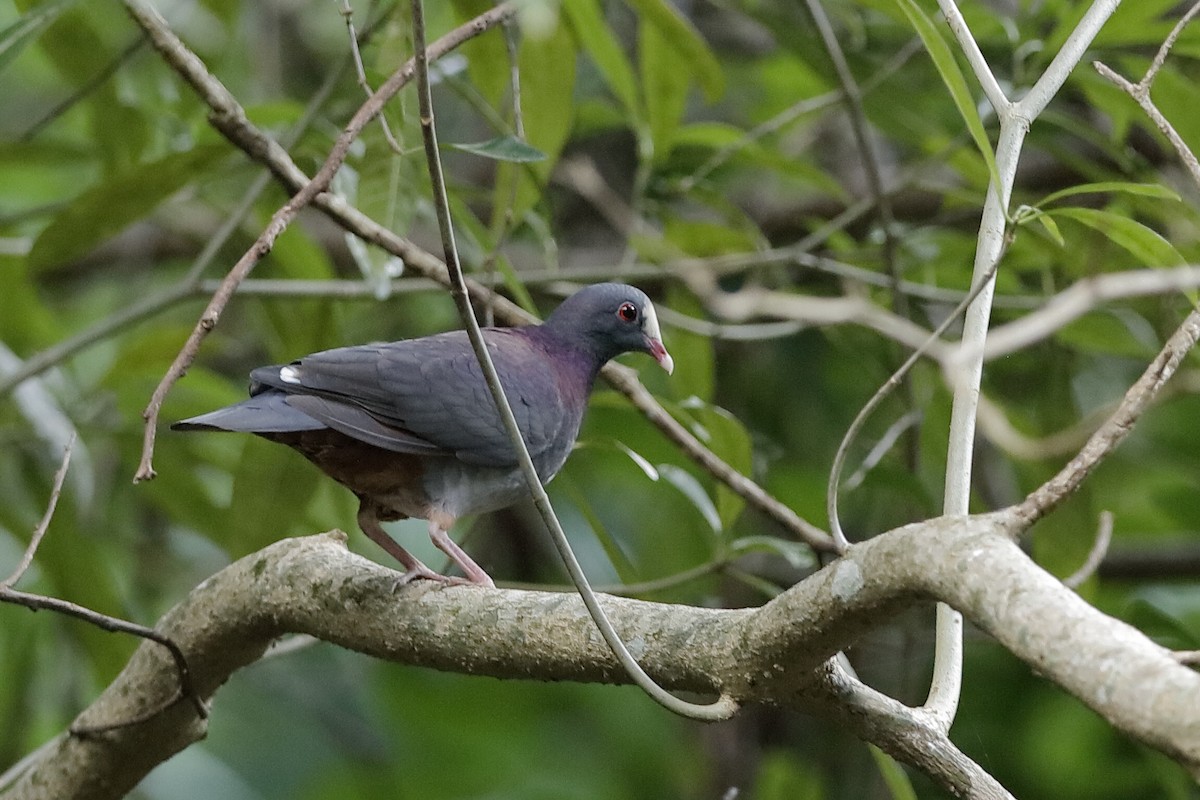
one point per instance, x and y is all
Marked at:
(289, 375)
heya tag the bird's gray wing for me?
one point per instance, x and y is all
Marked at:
(428, 395)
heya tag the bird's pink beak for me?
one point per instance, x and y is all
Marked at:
(659, 351)
(654, 344)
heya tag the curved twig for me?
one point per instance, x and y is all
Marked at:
(860, 419)
(35, 602)
(1104, 532)
(39, 531)
(725, 706)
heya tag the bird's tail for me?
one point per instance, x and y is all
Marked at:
(267, 412)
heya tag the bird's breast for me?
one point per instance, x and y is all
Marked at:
(457, 488)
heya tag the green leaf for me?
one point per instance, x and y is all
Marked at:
(894, 776)
(1142, 189)
(1143, 243)
(487, 56)
(271, 488)
(782, 776)
(617, 556)
(547, 67)
(1051, 227)
(298, 325)
(947, 67)
(504, 148)
(72, 43)
(693, 352)
(107, 208)
(596, 38)
(690, 488)
(26, 322)
(725, 435)
(512, 281)
(15, 38)
(1170, 616)
(665, 80)
(1117, 332)
(797, 554)
(678, 33)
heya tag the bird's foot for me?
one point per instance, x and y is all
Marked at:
(438, 525)
(423, 572)
(480, 579)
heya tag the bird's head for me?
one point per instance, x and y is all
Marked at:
(610, 319)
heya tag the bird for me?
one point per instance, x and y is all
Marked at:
(411, 428)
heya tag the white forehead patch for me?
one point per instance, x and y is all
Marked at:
(289, 375)
(650, 322)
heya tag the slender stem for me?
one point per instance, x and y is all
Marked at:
(1164, 49)
(39, 531)
(853, 95)
(36, 602)
(725, 706)
(946, 686)
(1015, 119)
(979, 65)
(839, 459)
(361, 73)
(1104, 532)
(1043, 91)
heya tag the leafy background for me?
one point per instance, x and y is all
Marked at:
(673, 136)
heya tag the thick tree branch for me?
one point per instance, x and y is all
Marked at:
(776, 654)
(911, 735)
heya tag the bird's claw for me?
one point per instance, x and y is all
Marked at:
(425, 573)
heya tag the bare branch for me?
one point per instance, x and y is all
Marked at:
(1015, 119)
(983, 72)
(1082, 297)
(872, 166)
(39, 531)
(361, 73)
(908, 734)
(1164, 49)
(1035, 101)
(754, 302)
(1137, 399)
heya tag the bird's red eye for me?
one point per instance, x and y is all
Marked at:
(627, 312)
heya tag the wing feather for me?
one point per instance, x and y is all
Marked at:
(429, 395)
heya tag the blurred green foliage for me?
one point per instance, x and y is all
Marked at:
(702, 130)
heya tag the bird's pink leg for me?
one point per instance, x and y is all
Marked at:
(413, 567)
(438, 525)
